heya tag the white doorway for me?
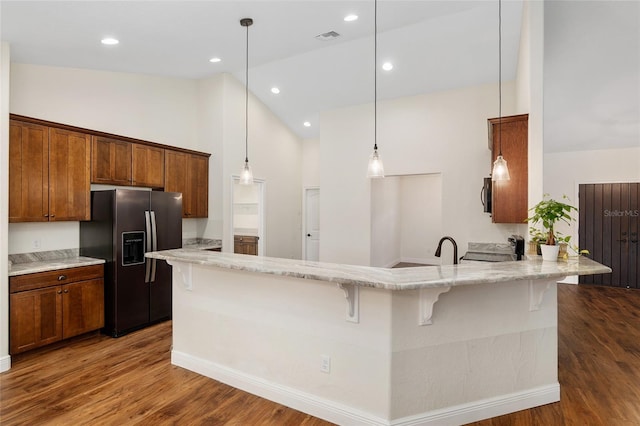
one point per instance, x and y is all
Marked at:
(311, 231)
(247, 212)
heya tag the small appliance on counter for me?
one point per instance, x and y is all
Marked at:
(496, 252)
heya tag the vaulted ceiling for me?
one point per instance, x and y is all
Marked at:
(433, 45)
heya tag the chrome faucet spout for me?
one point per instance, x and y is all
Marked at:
(455, 248)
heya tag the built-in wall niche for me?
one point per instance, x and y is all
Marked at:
(246, 209)
(406, 219)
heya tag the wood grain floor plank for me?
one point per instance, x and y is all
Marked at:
(97, 380)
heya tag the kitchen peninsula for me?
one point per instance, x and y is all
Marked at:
(363, 345)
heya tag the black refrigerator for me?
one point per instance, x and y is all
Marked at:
(125, 224)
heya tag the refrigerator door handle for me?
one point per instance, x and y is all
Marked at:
(147, 262)
(154, 244)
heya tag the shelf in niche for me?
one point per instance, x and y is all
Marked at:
(245, 208)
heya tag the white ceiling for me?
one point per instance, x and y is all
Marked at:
(434, 45)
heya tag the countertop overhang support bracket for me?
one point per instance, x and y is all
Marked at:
(352, 295)
(186, 270)
(537, 288)
(427, 298)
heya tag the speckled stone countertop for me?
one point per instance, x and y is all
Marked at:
(29, 263)
(201, 243)
(390, 279)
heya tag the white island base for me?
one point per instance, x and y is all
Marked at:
(417, 346)
(413, 346)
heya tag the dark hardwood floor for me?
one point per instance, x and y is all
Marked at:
(97, 380)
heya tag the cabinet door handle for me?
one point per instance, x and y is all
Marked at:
(66, 291)
(46, 215)
(53, 215)
(59, 291)
(62, 277)
(308, 235)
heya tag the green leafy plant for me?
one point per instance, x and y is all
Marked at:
(549, 211)
(537, 236)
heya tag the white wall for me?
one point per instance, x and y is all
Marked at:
(205, 115)
(5, 362)
(386, 217)
(564, 171)
(157, 109)
(152, 108)
(421, 224)
(211, 139)
(310, 163)
(443, 132)
(406, 220)
(529, 92)
(275, 156)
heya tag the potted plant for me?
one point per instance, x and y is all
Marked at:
(548, 212)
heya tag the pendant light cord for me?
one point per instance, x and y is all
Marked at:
(375, 75)
(500, 74)
(246, 103)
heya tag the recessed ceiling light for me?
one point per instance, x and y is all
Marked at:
(109, 41)
(306, 124)
(214, 60)
(351, 18)
(275, 90)
(387, 66)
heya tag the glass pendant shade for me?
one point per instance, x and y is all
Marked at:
(500, 170)
(376, 168)
(246, 176)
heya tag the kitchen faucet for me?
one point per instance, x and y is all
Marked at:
(455, 248)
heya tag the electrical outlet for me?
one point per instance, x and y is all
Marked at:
(325, 363)
(36, 243)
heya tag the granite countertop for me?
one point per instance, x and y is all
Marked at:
(201, 243)
(29, 263)
(390, 279)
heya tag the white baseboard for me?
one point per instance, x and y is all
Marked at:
(485, 408)
(345, 415)
(5, 363)
(293, 398)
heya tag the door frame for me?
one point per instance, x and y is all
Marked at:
(305, 189)
(262, 184)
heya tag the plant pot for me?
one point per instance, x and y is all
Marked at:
(562, 253)
(549, 253)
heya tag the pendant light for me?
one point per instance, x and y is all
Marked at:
(500, 170)
(376, 168)
(246, 176)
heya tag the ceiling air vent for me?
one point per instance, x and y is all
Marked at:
(331, 35)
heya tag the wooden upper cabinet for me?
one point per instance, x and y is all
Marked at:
(199, 169)
(48, 174)
(28, 172)
(110, 161)
(69, 175)
(188, 174)
(147, 166)
(510, 198)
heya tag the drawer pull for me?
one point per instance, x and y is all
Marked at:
(59, 291)
(62, 277)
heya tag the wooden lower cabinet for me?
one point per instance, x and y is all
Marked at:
(244, 244)
(35, 319)
(42, 310)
